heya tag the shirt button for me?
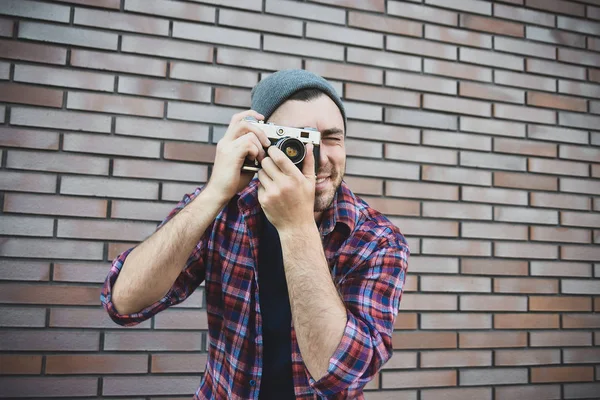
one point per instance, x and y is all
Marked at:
(252, 382)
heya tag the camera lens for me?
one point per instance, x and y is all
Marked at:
(293, 148)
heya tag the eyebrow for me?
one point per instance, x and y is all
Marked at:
(331, 131)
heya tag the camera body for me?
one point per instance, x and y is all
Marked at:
(291, 141)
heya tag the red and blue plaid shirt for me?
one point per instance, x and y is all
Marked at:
(368, 259)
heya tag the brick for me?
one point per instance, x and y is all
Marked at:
(382, 169)
(524, 114)
(520, 285)
(56, 340)
(525, 215)
(488, 92)
(418, 154)
(581, 390)
(526, 357)
(554, 101)
(32, 52)
(391, 394)
(562, 374)
(182, 363)
(560, 339)
(57, 162)
(437, 302)
(525, 250)
(26, 226)
(22, 317)
(562, 303)
(568, 269)
(173, 9)
(340, 34)
(64, 77)
(384, 59)
(593, 12)
(66, 35)
(580, 219)
(167, 48)
(377, 94)
(524, 80)
(80, 272)
(540, 392)
(212, 74)
(579, 89)
(573, 286)
(492, 127)
(6, 27)
(113, 4)
(516, 146)
(450, 358)
(363, 148)
(455, 105)
(362, 111)
(491, 25)
(152, 341)
(423, 13)
(96, 364)
(525, 181)
(524, 15)
(420, 47)
(436, 265)
(4, 70)
(27, 94)
(457, 211)
(420, 118)
(105, 187)
(560, 234)
(420, 379)
(201, 112)
(457, 140)
(456, 247)
(455, 284)
(121, 21)
(306, 11)
(117, 230)
(474, 6)
(496, 376)
(253, 21)
(27, 182)
(457, 36)
(33, 9)
(471, 340)
(111, 145)
(554, 36)
(11, 364)
(44, 386)
(346, 72)
(424, 340)
(557, 134)
(394, 206)
(579, 153)
(527, 48)
(161, 129)
(24, 270)
(493, 303)
(578, 25)
(579, 57)
(456, 175)
(457, 70)
(118, 62)
(578, 120)
(49, 294)
(189, 152)
(165, 89)
(371, 5)
(406, 321)
(384, 24)
(303, 47)
(457, 394)
(554, 69)
(581, 356)
(492, 161)
(421, 190)
(365, 185)
(253, 5)
(579, 321)
(558, 167)
(579, 186)
(233, 97)
(159, 170)
(493, 267)
(421, 83)
(115, 104)
(493, 231)
(559, 6)
(146, 385)
(428, 227)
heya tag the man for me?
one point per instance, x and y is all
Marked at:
(303, 279)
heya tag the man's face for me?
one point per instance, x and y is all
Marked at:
(324, 115)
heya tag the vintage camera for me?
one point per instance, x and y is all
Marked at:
(291, 141)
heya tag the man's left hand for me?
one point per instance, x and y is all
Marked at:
(286, 193)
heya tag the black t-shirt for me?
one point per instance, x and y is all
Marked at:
(277, 381)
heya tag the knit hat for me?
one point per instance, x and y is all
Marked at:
(274, 90)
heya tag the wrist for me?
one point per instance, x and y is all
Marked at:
(295, 231)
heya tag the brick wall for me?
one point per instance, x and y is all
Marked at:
(471, 125)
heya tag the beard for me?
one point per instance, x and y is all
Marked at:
(324, 198)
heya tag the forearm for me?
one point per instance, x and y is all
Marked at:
(152, 267)
(318, 313)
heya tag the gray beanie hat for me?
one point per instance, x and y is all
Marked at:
(273, 91)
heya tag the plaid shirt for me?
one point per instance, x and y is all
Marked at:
(368, 259)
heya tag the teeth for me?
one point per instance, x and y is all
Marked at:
(321, 180)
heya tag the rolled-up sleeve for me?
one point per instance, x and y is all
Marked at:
(186, 283)
(372, 294)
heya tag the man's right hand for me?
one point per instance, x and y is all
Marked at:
(242, 140)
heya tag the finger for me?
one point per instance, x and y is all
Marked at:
(265, 179)
(308, 166)
(283, 163)
(271, 169)
(248, 147)
(248, 113)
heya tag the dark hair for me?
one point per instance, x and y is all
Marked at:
(306, 94)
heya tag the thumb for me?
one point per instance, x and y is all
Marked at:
(308, 166)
